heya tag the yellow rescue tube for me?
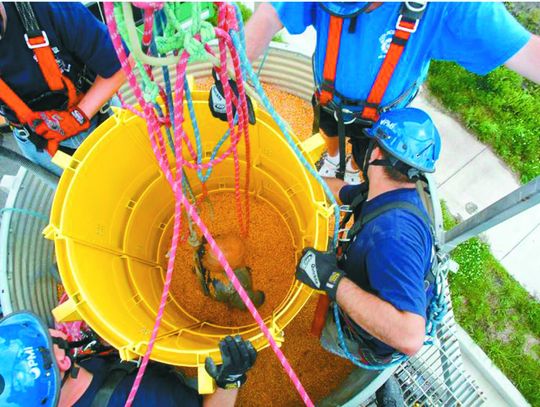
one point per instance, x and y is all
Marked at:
(111, 219)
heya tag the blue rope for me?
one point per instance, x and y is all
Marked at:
(23, 211)
(195, 125)
(284, 128)
(196, 131)
(437, 307)
(354, 359)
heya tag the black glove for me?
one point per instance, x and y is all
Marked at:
(320, 271)
(216, 100)
(238, 357)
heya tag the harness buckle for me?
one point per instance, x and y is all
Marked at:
(349, 113)
(43, 44)
(137, 362)
(407, 29)
(345, 208)
(343, 235)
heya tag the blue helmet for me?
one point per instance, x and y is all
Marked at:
(408, 135)
(344, 9)
(29, 375)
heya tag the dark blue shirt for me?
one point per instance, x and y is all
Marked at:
(391, 255)
(81, 44)
(159, 387)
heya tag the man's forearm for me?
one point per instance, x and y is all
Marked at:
(526, 61)
(402, 330)
(260, 29)
(221, 398)
(101, 90)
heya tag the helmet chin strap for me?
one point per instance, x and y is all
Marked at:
(410, 172)
(73, 370)
(366, 163)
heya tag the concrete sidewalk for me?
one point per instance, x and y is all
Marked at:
(471, 177)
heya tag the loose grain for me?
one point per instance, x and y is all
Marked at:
(319, 371)
(297, 112)
(269, 254)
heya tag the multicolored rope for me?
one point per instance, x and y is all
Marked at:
(237, 128)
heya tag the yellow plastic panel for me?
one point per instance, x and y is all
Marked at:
(111, 221)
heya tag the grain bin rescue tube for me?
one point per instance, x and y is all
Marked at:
(111, 220)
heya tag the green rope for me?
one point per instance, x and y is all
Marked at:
(176, 38)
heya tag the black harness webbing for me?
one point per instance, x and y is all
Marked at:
(365, 219)
(117, 373)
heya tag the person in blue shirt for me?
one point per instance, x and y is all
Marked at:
(381, 282)
(38, 369)
(479, 36)
(46, 117)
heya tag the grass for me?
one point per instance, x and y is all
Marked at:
(501, 108)
(498, 313)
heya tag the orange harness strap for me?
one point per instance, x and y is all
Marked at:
(38, 42)
(46, 61)
(404, 29)
(14, 102)
(331, 59)
(49, 67)
(407, 23)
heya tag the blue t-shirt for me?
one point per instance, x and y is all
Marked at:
(391, 255)
(80, 42)
(158, 387)
(478, 36)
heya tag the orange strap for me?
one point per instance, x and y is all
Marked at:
(49, 67)
(14, 102)
(397, 46)
(331, 59)
(52, 74)
(403, 31)
(46, 61)
(319, 318)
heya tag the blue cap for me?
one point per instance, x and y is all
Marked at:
(29, 375)
(409, 135)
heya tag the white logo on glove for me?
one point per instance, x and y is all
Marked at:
(218, 101)
(309, 265)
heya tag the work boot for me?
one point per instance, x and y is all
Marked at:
(389, 394)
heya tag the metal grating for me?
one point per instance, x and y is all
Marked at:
(436, 375)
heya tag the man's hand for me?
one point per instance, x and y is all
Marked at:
(319, 270)
(216, 100)
(58, 125)
(238, 357)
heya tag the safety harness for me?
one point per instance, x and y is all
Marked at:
(433, 279)
(90, 347)
(365, 112)
(36, 39)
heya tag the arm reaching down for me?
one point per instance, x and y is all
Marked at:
(402, 330)
(100, 92)
(526, 61)
(260, 29)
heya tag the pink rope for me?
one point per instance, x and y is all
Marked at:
(157, 143)
(148, 25)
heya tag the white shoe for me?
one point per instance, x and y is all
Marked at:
(330, 167)
(352, 176)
